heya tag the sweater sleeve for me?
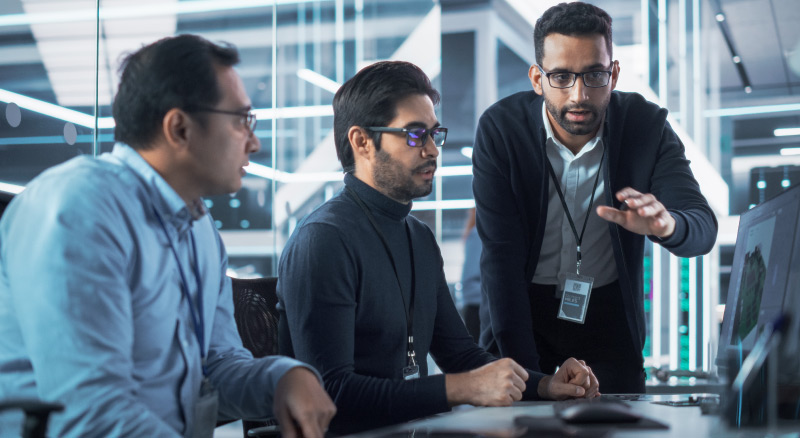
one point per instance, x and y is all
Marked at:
(501, 228)
(674, 185)
(318, 284)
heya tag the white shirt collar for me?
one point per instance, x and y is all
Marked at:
(563, 150)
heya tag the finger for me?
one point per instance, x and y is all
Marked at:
(611, 214)
(561, 391)
(519, 370)
(627, 192)
(287, 427)
(516, 394)
(518, 382)
(594, 386)
(309, 427)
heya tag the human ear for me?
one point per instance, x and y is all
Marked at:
(535, 75)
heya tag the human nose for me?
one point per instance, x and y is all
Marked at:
(253, 143)
(579, 91)
(429, 149)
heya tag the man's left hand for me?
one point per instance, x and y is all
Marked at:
(644, 214)
(573, 379)
(301, 405)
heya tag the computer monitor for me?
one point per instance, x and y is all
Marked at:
(766, 250)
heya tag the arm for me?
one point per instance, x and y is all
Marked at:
(319, 279)
(503, 235)
(263, 387)
(66, 276)
(675, 214)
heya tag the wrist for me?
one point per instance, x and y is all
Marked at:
(455, 390)
(542, 388)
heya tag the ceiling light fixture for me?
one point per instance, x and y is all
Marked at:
(319, 80)
(784, 132)
(790, 151)
(11, 188)
(56, 111)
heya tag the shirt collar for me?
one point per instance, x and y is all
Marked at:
(563, 150)
(165, 199)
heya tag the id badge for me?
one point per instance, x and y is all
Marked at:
(575, 298)
(205, 411)
(411, 372)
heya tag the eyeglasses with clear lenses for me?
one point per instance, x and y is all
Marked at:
(416, 137)
(248, 117)
(566, 79)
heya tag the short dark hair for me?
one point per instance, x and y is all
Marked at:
(174, 72)
(571, 19)
(370, 98)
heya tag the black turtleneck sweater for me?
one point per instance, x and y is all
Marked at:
(343, 306)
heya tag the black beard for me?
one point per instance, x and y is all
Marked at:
(580, 128)
(396, 182)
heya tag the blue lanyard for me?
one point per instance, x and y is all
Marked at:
(197, 320)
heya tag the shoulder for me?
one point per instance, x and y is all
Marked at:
(634, 110)
(81, 187)
(518, 106)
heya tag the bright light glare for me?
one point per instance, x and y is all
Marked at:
(467, 151)
(790, 151)
(11, 188)
(318, 80)
(784, 132)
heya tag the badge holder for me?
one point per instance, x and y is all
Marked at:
(411, 370)
(575, 298)
(205, 411)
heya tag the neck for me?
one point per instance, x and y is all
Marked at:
(171, 174)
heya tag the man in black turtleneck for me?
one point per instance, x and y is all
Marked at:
(361, 287)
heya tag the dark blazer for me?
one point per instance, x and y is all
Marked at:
(511, 186)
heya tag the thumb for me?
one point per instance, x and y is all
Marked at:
(611, 214)
(563, 390)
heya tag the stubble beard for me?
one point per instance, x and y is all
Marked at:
(397, 182)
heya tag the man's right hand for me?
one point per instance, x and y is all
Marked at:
(301, 405)
(498, 383)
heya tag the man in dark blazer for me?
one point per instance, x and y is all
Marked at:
(620, 174)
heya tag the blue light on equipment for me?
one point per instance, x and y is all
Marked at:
(244, 223)
(761, 184)
(235, 203)
(785, 183)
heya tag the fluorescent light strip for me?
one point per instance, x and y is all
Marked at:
(454, 171)
(450, 204)
(693, 333)
(137, 11)
(319, 80)
(11, 188)
(52, 110)
(790, 151)
(655, 307)
(83, 119)
(674, 281)
(294, 112)
(750, 110)
(785, 132)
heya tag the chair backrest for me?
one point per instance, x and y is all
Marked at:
(254, 301)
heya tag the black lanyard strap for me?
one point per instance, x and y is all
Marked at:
(197, 319)
(578, 238)
(409, 312)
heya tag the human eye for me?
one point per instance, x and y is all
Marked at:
(417, 136)
(561, 78)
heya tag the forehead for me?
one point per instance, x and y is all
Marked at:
(417, 108)
(574, 53)
(231, 87)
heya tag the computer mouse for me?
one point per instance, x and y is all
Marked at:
(584, 413)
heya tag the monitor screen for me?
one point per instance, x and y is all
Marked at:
(762, 260)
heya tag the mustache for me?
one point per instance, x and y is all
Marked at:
(590, 108)
(430, 165)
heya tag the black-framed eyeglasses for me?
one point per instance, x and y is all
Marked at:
(566, 79)
(248, 117)
(416, 137)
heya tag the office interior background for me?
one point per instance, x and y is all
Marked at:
(727, 70)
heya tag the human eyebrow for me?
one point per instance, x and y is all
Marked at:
(596, 67)
(417, 124)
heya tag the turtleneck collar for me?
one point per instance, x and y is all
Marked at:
(377, 201)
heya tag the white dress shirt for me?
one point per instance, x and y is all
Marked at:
(576, 174)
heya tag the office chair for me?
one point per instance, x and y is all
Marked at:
(37, 414)
(256, 318)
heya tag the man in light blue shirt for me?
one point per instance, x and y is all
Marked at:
(113, 294)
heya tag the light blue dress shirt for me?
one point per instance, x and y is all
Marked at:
(91, 309)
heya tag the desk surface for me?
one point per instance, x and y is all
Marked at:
(684, 422)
